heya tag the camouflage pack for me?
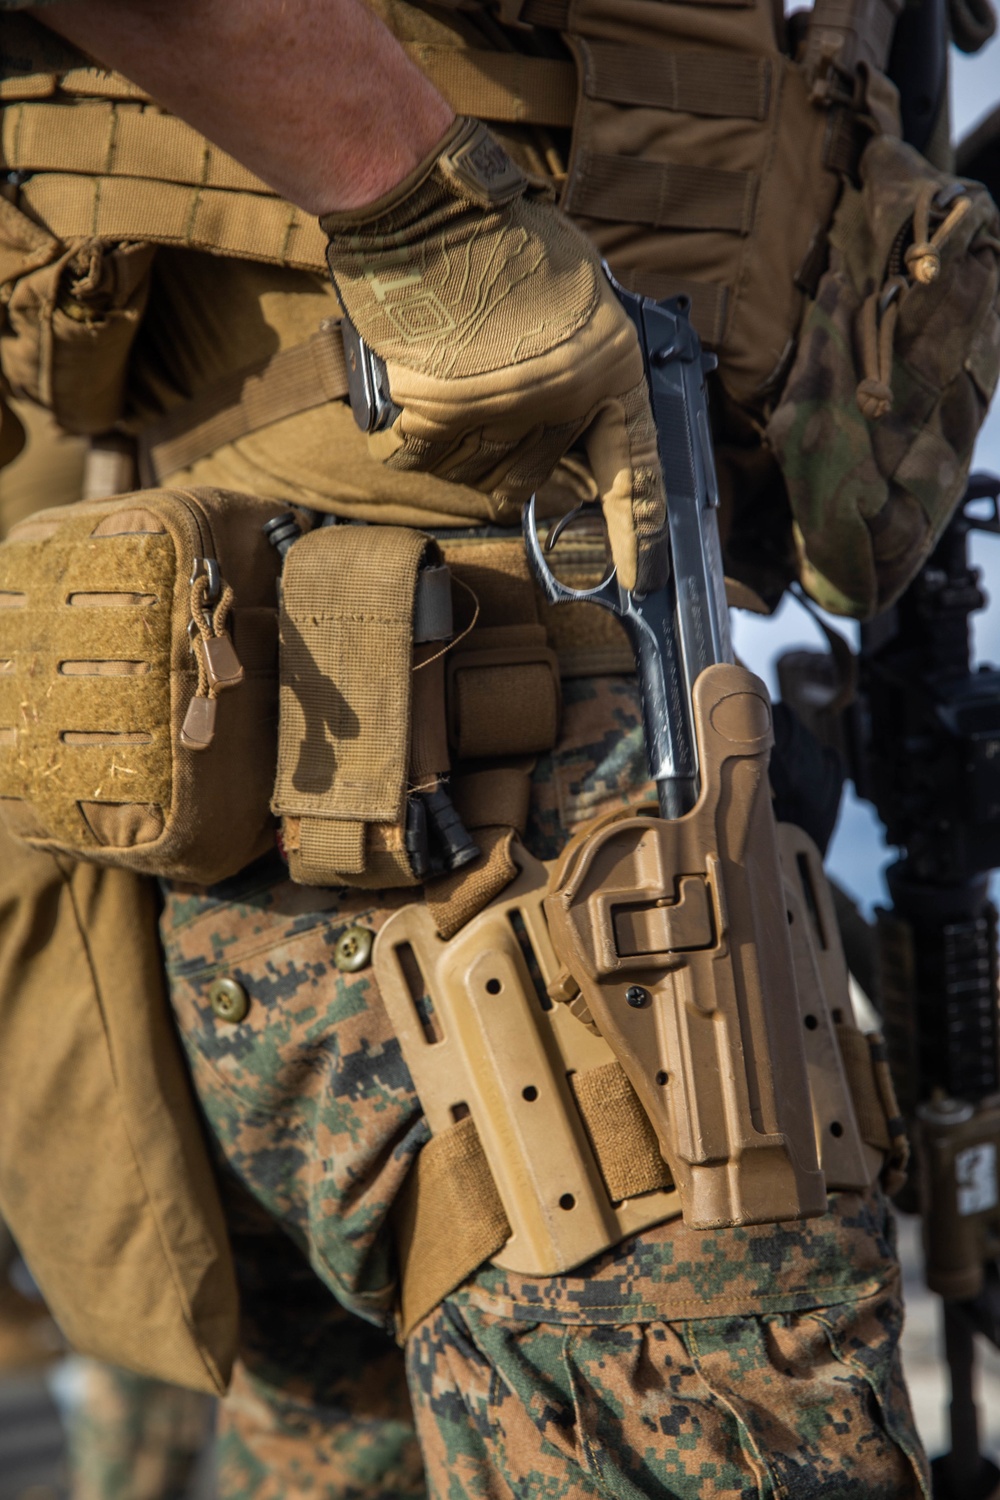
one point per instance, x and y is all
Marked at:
(897, 360)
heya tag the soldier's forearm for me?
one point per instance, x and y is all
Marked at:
(315, 96)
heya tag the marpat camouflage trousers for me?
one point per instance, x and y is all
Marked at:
(133, 1438)
(749, 1362)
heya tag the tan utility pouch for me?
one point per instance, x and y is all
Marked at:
(138, 695)
(381, 689)
(898, 359)
(104, 1175)
(347, 616)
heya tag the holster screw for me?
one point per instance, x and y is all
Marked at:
(636, 996)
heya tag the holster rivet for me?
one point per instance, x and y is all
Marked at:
(636, 996)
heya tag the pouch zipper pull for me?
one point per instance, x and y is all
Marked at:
(223, 667)
(219, 668)
(198, 729)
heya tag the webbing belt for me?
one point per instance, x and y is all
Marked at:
(297, 379)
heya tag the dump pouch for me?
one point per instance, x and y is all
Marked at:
(139, 687)
(105, 1178)
(898, 359)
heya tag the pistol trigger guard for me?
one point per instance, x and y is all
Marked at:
(606, 593)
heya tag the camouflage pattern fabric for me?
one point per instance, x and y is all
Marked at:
(578, 1386)
(748, 1362)
(319, 1405)
(870, 495)
(132, 1438)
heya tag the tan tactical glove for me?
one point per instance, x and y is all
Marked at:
(503, 341)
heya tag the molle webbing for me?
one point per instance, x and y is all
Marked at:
(502, 86)
(117, 169)
(665, 195)
(104, 162)
(725, 86)
(450, 1218)
(709, 300)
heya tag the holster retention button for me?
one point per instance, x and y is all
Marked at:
(229, 1000)
(354, 949)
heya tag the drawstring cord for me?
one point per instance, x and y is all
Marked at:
(880, 311)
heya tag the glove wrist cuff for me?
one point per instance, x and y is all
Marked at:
(467, 163)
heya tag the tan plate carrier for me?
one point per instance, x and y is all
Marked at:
(541, 1154)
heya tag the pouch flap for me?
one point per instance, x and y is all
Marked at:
(346, 653)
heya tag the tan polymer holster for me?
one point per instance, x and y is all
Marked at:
(597, 1116)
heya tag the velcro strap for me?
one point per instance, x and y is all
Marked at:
(297, 379)
(716, 84)
(499, 795)
(329, 844)
(454, 900)
(620, 1132)
(450, 1218)
(494, 668)
(666, 195)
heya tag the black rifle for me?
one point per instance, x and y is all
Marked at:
(924, 743)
